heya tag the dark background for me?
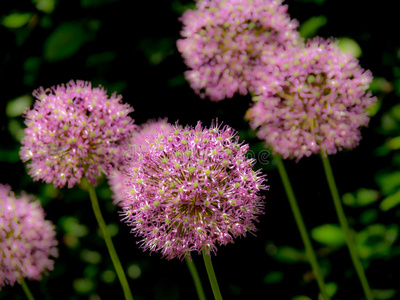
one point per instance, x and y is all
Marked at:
(129, 47)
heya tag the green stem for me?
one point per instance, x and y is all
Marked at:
(26, 290)
(345, 227)
(302, 228)
(107, 238)
(196, 278)
(211, 276)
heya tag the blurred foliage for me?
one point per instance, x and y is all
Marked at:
(130, 49)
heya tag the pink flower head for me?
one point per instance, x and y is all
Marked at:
(313, 99)
(191, 189)
(27, 240)
(74, 130)
(224, 39)
(128, 153)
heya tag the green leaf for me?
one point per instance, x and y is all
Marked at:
(273, 277)
(380, 84)
(71, 225)
(376, 240)
(46, 6)
(394, 143)
(390, 201)
(134, 271)
(17, 106)
(310, 27)
(108, 276)
(349, 46)
(92, 257)
(64, 41)
(83, 285)
(384, 294)
(369, 216)
(16, 20)
(289, 255)
(331, 288)
(362, 197)
(373, 109)
(389, 183)
(328, 234)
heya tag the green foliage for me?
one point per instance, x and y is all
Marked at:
(310, 27)
(46, 6)
(362, 197)
(390, 201)
(16, 20)
(349, 46)
(376, 240)
(83, 286)
(64, 41)
(329, 235)
(273, 277)
(18, 105)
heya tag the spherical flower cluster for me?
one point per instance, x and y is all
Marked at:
(27, 240)
(191, 189)
(72, 131)
(313, 99)
(127, 153)
(224, 39)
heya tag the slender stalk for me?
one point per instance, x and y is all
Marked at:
(345, 227)
(107, 238)
(211, 276)
(26, 290)
(302, 228)
(196, 278)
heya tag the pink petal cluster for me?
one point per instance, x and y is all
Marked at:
(72, 131)
(127, 153)
(222, 40)
(27, 240)
(309, 100)
(191, 189)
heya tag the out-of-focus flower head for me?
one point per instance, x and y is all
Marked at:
(222, 41)
(127, 153)
(27, 240)
(192, 189)
(312, 99)
(72, 131)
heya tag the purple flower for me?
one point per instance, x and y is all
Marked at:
(191, 189)
(222, 40)
(27, 240)
(127, 153)
(74, 130)
(312, 99)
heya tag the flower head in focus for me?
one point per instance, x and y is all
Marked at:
(313, 99)
(72, 131)
(222, 41)
(27, 240)
(192, 189)
(127, 153)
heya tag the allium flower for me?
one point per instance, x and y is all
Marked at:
(224, 39)
(313, 99)
(191, 189)
(27, 240)
(127, 153)
(72, 131)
